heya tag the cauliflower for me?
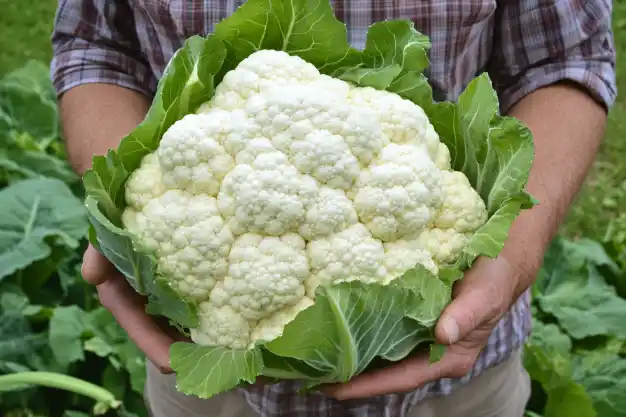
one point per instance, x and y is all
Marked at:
(288, 180)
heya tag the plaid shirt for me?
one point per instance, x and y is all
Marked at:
(523, 44)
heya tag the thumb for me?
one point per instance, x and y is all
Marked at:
(480, 301)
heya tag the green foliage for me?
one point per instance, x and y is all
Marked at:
(61, 353)
(576, 353)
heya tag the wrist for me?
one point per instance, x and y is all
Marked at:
(529, 238)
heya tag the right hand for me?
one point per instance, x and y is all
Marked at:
(152, 335)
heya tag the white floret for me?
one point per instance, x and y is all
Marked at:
(145, 183)
(402, 120)
(339, 88)
(191, 155)
(189, 238)
(442, 159)
(259, 72)
(269, 196)
(221, 326)
(402, 255)
(290, 113)
(463, 209)
(233, 129)
(331, 213)
(254, 148)
(266, 274)
(398, 195)
(445, 245)
(326, 158)
(272, 327)
(350, 255)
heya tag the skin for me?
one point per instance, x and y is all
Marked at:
(565, 148)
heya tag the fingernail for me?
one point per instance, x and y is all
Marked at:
(451, 329)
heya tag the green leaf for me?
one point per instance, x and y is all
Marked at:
(434, 293)
(27, 163)
(165, 302)
(548, 362)
(306, 28)
(391, 47)
(496, 155)
(67, 326)
(604, 378)
(135, 364)
(28, 105)
(205, 371)
(437, 352)
(117, 245)
(99, 347)
(550, 338)
(578, 296)
(38, 213)
(114, 381)
(17, 339)
(351, 324)
(189, 82)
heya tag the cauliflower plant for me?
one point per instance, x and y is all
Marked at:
(288, 179)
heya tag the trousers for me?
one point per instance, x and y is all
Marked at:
(501, 391)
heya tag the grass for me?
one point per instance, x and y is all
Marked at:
(25, 33)
(25, 27)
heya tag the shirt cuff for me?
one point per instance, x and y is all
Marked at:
(78, 62)
(596, 77)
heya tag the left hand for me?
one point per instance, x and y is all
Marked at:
(480, 300)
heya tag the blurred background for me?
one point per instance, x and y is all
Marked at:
(51, 323)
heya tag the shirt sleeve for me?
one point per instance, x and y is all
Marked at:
(95, 41)
(541, 42)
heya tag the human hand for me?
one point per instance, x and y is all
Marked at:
(152, 335)
(480, 300)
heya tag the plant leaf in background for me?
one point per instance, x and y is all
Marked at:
(547, 359)
(50, 320)
(28, 104)
(576, 349)
(66, 329)
(38, 213)
(19, 160)
(573, 290)
(604, 377)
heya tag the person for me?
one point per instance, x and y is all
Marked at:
(552, 63)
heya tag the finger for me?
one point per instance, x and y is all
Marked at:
(480, 299)
(96, 268)
(407, 375)
(128, 308)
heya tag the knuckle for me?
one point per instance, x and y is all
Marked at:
(464, 365)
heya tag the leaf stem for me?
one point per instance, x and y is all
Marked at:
(105, 400)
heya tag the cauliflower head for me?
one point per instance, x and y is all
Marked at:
(288, 179)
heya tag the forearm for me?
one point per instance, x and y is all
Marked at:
(96, 117)
(567, 127)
